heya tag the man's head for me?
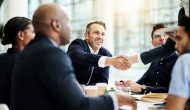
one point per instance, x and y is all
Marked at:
(158, 39)
(95, 33)
(183, 36)
(52, 20)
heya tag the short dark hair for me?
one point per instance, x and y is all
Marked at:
(12, 27)
(156, 27)
(95, 22)
(185, 21)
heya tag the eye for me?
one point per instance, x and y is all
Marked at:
(96, 32)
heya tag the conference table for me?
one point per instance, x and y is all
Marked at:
(143, 105)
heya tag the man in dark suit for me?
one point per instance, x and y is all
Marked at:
(90, 59)
(43, 76)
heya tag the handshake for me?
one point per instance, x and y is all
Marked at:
(121, 62)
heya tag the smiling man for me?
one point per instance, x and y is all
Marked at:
(90, 59)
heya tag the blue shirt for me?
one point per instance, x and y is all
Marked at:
(180, 82)
(158, 75)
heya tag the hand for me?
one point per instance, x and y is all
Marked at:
(126, 100)
(165, 100)
(135, 87)
(172, 35)
(119, 83)
(132, 59)
(119, 63)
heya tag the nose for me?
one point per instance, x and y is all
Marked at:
(162, 37)
(176, 45)
(100, 36)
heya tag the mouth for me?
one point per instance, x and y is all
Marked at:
(99, 42)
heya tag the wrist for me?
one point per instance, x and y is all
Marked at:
(143, 88)
(134, 59)
(108, 61)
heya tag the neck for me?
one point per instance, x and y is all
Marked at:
(17, 46)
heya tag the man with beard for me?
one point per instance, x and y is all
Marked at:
(179, 91)
(90, 59)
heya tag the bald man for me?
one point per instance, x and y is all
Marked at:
(43, 77)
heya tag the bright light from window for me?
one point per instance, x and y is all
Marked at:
(130, 5)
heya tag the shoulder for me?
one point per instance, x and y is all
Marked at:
(183, 59)
(105, 51)
(182, 65)
(78, 41)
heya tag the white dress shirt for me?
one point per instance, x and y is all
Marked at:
(101, 63)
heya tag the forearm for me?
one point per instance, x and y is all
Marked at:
(157, 89)
(83, 58)
(103, 76)
(158, 52)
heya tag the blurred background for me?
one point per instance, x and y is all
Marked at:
(129, 23)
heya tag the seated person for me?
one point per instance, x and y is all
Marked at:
(43, 77)
(156, 79)
(18, 31)
(90, 60)
(179, 91)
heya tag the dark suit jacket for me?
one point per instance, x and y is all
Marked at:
(7, 61)
(83, 61)
(159, 52)
(43, 79)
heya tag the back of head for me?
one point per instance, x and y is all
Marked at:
(52, 20)
(44, 15)
(156, 27)
(12, 27)
(185, 21)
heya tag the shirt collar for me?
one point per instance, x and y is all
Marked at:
(92, 51)
(53, 42)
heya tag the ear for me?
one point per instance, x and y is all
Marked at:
(20, 35)
(152, 43)
(56, 26)
(86, 35)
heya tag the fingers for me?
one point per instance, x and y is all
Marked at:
(126, 100)
(127, 83)
(121, 56)
(172, 36)
(122, 64)
(117, 83)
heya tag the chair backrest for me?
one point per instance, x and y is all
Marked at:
(3, 107)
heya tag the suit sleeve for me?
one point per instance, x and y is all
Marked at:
(157, 89)
(159, 52)
(103, 77)
(76, 51)
(58, 78)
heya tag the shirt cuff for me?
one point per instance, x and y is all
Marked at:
(139, 58)
(101, 61)
(114, 99)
